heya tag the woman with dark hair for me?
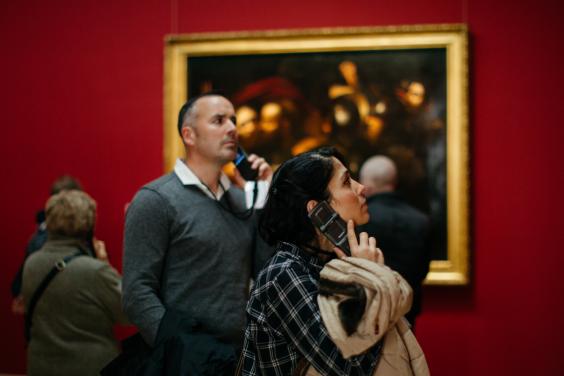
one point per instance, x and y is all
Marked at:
(298, 185)
(290, 327)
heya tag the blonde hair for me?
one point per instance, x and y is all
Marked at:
(70, 213)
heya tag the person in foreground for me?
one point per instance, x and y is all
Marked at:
(291, 325)
(72, 323)
(191, 247)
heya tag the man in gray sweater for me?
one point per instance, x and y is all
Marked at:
(189, 247)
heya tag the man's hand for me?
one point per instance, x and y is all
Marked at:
(263, 168)
(264, 171)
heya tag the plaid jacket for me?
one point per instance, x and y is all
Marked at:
(284, 325)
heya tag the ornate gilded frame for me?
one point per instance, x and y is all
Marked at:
(453, 38)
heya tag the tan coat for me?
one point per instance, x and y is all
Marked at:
(388, 298)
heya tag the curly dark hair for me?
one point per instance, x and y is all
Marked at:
(300, 179)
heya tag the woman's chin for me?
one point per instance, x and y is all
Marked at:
(363, 219)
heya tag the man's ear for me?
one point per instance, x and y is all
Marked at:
(310, 205)
(188, 135)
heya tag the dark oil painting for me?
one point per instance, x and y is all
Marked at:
(390, 102)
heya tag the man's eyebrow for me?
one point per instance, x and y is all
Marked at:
(223, 114)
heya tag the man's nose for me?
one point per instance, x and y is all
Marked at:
(231, 126)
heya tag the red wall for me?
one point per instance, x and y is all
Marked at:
(82, 94)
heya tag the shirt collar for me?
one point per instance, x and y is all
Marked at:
(311, 259)
(187, 177)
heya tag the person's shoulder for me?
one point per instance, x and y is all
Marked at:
(158, 189)
(284, 268)
(91, 273)
(87, 264)
(50, 249)
(34, 259)
(102, 269)
(280, 261)
(90, 262)
(163, 184)
(45, 258)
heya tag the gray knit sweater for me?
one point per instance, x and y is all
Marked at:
(184, 251)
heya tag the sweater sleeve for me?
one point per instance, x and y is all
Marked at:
(145, 244)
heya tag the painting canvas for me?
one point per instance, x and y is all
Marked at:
(366, 91)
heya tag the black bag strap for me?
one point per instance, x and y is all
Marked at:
(59, 267)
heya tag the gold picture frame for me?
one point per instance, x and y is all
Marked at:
(437, 52)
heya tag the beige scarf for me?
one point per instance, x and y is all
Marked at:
(388, 298)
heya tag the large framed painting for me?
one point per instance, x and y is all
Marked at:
(397, 91)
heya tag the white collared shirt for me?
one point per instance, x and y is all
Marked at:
(187, 177)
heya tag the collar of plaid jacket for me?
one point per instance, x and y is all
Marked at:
(316, 260)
